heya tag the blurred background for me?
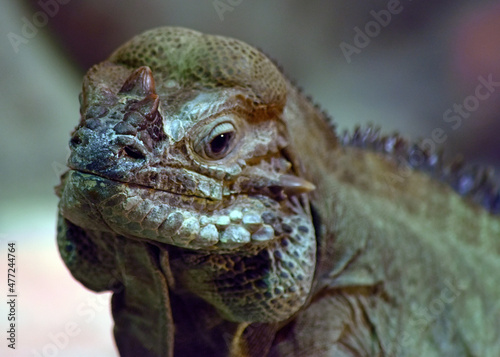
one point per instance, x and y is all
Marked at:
(402, 73)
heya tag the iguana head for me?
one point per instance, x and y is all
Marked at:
(183, 141)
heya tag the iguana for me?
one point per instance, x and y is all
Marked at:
(228, 218)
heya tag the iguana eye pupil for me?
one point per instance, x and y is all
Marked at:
(220, 144)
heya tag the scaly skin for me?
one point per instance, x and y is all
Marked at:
(219, 206)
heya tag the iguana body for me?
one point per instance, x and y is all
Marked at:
(229, 220)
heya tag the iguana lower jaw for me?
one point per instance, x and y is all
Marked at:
(257, 266)
(264, 285)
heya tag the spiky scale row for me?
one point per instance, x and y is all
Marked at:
(475, 182)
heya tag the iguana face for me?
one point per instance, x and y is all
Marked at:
(183, 143)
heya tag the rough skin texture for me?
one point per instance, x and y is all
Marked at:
(227, 217)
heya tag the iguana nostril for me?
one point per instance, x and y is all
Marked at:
(133, 153)
(75, 140)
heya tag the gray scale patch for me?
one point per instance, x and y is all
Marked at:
(209, 234)
(155, 217)
(216, 191)
(190, 227)
(205, 189)
(140, 211)
(235, 216)
(222, 221)
(235, 234)
(172, 223)
(131, 202)
(176, 130)
(234, 170)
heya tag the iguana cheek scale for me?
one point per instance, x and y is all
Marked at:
(220, 208)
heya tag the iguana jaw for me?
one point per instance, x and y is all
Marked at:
(255, 246)
(235, 223)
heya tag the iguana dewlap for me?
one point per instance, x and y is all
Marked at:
(219, 206)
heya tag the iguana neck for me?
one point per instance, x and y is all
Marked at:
(362, 212)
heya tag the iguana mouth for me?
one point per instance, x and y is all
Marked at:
(190, 195)
(185, 221)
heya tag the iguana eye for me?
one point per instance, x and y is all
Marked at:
(219, 142)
